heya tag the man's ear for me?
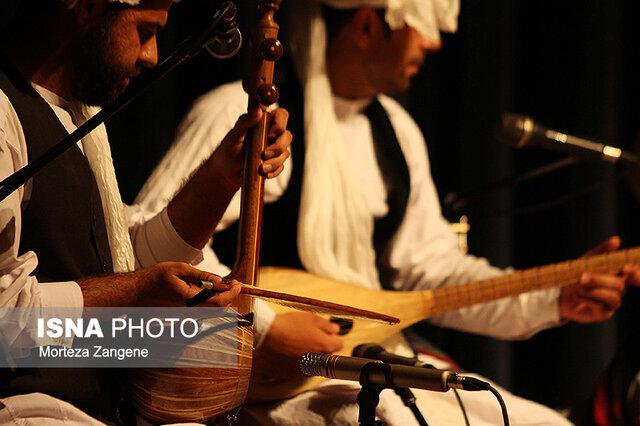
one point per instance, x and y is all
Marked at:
(88, 11)
(366, 28)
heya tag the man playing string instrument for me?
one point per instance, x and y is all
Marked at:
(67, 239)
(357, 203)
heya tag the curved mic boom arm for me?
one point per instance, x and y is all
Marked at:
(222, 22)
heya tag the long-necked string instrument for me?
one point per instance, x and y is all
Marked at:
(201, 394)
(197, 394)
(414, 306)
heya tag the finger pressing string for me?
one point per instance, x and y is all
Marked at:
(610, 244)
(593, 280)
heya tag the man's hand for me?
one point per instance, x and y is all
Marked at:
(228, 160)
(294, 333)
(291, 335)
(597, 296)
(196, 210)
(165, 284)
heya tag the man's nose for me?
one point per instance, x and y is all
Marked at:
(148, 56)
(431, 45)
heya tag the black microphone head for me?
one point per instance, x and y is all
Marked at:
(226, 40)
(224, 46)
(514, 129)
(367, 350)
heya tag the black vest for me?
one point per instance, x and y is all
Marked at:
(63, 223)
(62, 220)
(280, 218)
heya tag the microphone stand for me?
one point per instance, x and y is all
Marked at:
(223, 19)
(454, 202)
(409, 400)
(369, 396)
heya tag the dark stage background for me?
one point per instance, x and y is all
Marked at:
(569, 64)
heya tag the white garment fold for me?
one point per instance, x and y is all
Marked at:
(96, 148)
(334, 228)
(36, 409)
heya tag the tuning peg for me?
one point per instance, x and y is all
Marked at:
(271, 49)
(268, 94)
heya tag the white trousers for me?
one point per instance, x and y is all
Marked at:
(38, 409)
(334, 403)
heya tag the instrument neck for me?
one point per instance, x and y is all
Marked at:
(245, 269)
(266, 49)
(540, 278)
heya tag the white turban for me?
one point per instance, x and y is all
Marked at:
(71, 3)
(428, 17)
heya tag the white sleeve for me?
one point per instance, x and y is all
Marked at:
(18, 286)
(199, 134)
(154, 237)
(155, 240)
(38, 408)
(425, 252)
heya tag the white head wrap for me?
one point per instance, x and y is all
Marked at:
(71, 3)
(428, 17)
(335, 228)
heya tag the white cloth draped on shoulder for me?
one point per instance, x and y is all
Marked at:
(98, 153)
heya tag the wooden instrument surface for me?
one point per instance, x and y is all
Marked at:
(414, 306)
(187, 395)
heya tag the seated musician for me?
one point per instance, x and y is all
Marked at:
(357, 203)
(67, 239)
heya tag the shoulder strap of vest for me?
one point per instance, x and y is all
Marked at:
(397, 183)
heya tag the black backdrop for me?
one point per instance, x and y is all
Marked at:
(568, 63)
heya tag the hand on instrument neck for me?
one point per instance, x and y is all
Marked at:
(196, 210)
(597, 296)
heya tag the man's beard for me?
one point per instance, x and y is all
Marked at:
(98, 78)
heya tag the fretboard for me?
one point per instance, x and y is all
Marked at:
(543, 277)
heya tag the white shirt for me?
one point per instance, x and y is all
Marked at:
(424, 249)
(153, 236)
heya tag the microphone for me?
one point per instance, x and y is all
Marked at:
(521, 131)
(350, 368)
(374, 351)
(227, 39)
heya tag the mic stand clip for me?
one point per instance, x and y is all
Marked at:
(369, 395)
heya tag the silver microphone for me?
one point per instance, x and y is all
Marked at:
(521, 131)
(350, 368)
